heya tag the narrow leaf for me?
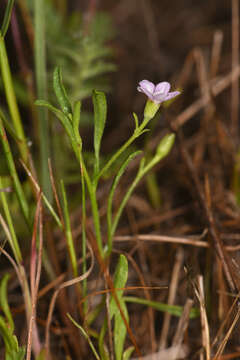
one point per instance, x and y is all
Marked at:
(85, 334)
(76, 121)
(7, 17)
(128, 352)
(4, 301)
(175, 310)
(58, 113)
(120, 331)
(120, 279)
(100, 114)
(61, 92)
(8, 338)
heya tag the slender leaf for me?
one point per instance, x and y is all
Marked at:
(58, 113)
(127, 353)
(120, 279)
(100, 114)
(4, 301)
(85, 334)
(76, 121)
(7, 17)
(120, 331)
(61, 92)
(175, 310)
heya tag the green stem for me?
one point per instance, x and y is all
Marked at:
(92, 195)
(68, 232)
(14, 241)
(84, 238)
(41, 82)
(11, 100)
(129, 192)
(138, 131)
(12, 169)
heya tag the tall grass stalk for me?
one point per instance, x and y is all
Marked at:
(41, 82)
(13, 238)
(14, 175)
(11, 100)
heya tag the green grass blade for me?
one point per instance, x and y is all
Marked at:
(171, 309)
(87, 337)
(41, 83)
(7, 17)
(4, 301)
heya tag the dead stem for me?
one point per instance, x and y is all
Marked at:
(171, 297)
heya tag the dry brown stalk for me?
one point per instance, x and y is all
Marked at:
(171, 297)
(182, 324)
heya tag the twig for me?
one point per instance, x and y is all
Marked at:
(54, 298)
(216, 53)
(216, 87)
(182, 325)
(171, 240)
(171, 297)
(199, 291)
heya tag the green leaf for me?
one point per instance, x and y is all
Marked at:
(9, 127)
(102, 348)
(120, 279)
(59, 114)
(61, 92)
(120, 331)
(7, 17)
(16, 355)
(9, 339)
(127, 353)
(100, 114)
(76, 121)
(111, 195)
(4, 301)
(175, 310)
(85, 334)
(42, 355)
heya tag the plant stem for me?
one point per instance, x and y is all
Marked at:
(12, 169)
(41, 81)
(11, 100)
(14, 241)
(84, 239)
(137, 132)
(92, 195)
(68, 231)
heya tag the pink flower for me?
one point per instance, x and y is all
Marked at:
(157, 93)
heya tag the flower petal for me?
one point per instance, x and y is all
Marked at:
(146, 85)
(162, 88)
(171, 95)
(149, 95)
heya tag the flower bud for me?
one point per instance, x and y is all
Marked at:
(165, 145)
(151, 109)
